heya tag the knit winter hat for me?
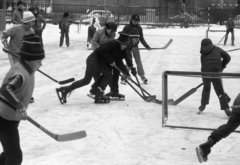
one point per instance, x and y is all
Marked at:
(123, 38)
(66, 14)
(205, 42)
(112, 26)
(31, 49)
(28, 17)
(135, 17)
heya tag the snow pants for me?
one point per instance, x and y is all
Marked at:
(233, 123)
(217, 84)
(64, 33)
(92, 66)
(9, 138)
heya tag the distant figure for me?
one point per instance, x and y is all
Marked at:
(230, 28)
(40, 23)
(91, 31)
(17, 15)
(64, 26)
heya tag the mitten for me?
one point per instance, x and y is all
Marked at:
(133, 71)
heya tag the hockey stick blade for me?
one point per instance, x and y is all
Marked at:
(66, 81)
(186, 95)
(165, 47)
(57, 137)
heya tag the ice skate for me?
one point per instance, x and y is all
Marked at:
(200, 154)
(100, 98)
(32, 100)
(201, 108)
(62, 94)
(123, 82)
(204, 150)
(144, 80)
(115, 96)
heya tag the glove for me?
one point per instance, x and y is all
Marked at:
(22, 113)
(113, 64)
(133, 71)
(148, 48)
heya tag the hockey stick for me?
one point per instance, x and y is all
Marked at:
(165, 47)
(148, 99)
(154, 99)
(59, 82)
(233, 50)
(222, 39)
(57, 137)
(190, 92)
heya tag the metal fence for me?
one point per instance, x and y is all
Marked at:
(158, 16)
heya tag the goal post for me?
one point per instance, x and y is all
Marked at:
(165, 86)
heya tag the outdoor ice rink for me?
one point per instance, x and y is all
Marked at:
(127, 132)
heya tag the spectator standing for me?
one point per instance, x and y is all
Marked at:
(17, 15)
(230, 28)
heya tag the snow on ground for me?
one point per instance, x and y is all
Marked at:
(126, 132)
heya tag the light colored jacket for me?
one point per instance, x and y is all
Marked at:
(100, 37)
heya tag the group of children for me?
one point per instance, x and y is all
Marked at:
(104, 64)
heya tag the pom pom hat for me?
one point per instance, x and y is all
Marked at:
(123, 38)
(28, 17)
(31, 49)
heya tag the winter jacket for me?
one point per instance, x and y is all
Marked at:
(17, 16)
(111, 52)
(65, 23)
(230, 25)
(15, 34)
(101, 37)
(213, 59)
(38, 22)
(135, 29)
(23, 94)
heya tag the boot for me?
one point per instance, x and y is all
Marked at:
(62, 93)
(202, 107)
(100, 98)
(144, 79)
(204, 150)
(93, 91)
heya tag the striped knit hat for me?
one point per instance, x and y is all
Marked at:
(31, 49)
(28, 17)
(123, 38)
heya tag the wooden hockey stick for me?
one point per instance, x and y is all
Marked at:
(165, 47)
(190, 92)
(57, 137)
(233, 50)
(222, 39)
(59, 82)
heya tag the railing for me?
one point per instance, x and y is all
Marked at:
(158, 16)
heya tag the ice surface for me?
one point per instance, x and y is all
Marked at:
(126, 132)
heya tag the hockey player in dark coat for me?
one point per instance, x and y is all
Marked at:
(102, 59)
(230, 28)
(131, 28)
(221, 132)
(213, 59)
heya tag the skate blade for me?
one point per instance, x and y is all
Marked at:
(117, 99)
(59, 97)
(101, 102)
(200, 158)
(91, 96)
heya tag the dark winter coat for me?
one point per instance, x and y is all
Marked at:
(213, 59)
(230, 25)
(65, 23)
(111, 52)
(135, 29)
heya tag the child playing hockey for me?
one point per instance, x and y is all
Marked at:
(102, 59)
(15, 94)
(213, 59)
(129, 29)
(222, 132)
(15, 35)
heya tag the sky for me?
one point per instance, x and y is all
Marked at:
(127, 132)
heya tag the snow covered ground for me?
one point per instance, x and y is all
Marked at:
(126, 132)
